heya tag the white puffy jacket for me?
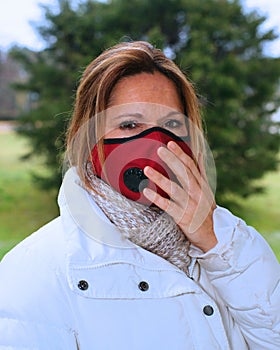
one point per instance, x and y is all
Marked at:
(65, 287)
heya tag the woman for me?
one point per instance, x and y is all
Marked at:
(141, 255)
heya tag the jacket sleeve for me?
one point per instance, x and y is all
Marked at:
(34, 308)
(245, 273)
(17, 334)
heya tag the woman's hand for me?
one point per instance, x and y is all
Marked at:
(191, 203)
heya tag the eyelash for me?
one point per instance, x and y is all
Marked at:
(132, 124)
(173, 124)
(129, 125)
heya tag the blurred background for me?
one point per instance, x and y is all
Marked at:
(230, 49)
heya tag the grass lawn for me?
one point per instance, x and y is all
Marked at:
(263, 211)
(24, 207)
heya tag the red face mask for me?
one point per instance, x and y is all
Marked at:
(125, 159)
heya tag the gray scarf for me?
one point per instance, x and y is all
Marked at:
(149, 228)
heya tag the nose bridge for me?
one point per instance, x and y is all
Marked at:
(149, 125)
(159, 135)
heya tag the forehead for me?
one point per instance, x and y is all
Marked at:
(146, 111)
(154, 88)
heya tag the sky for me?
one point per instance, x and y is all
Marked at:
(16, 15)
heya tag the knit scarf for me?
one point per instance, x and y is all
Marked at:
(147, 227)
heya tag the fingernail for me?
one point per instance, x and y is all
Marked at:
(171, 145)
(161, 151)
(148, 193)
(148, 170)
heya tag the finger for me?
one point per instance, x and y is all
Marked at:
(174, 191)
(181, 171)
(188, 161)
(194, 184)
(201, 165)
(198, 171)
(205, 183)
(165, 204)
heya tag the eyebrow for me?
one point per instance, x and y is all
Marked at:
(170, 114)
(124, 115)
(141, 116)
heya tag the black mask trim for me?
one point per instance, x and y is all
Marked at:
(144, 133)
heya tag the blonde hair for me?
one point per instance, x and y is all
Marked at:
(97, 82)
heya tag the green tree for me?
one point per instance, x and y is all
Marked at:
(72, 39)
(219, 46)
(224, 51)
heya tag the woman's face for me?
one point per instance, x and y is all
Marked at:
(143, 101)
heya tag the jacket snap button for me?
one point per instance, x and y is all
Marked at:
(83, 285)
(143, 286)
(208, 310)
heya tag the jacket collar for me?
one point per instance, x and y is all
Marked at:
(94, 243)
(77, 205)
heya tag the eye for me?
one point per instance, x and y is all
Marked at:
(129, 125)
(173, 124)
